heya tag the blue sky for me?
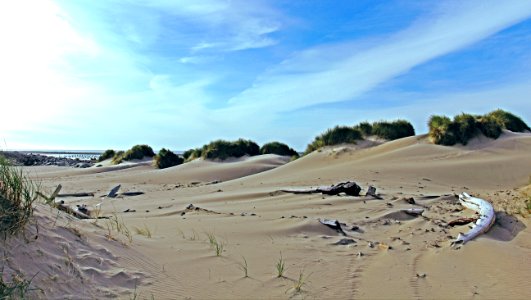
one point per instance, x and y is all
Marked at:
(88, 74)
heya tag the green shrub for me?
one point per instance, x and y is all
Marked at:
(441, 130)
(278, 148)
(393, 130)
(106, 155)
(509, 121)
(221, 149)
(335, 136)
(17, 194)
(464, 127)
(489, 126)
(166, 158)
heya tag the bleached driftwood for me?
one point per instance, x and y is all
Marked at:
(483, 224)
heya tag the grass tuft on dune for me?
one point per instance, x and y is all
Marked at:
(444, 131)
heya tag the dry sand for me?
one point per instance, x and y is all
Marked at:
(240, 204)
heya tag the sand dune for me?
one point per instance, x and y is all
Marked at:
(392, 255)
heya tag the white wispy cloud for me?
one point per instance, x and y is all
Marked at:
(342, 72)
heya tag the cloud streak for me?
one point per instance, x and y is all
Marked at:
(314, 77)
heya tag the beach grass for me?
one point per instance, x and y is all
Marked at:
(244, 267)
(280, 266)
(17, 195)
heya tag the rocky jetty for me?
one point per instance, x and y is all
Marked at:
(30, 159)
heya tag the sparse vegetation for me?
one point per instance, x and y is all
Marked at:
(219, 247)
(443, 131)
(145, 231)
(110, 153)
(17, 194)
(244, 267)
(117, 224)
(280, 266)
(300, 282)
(278, 148)
(166, 158)
(17, 288)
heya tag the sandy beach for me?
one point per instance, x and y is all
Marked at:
(383, 253)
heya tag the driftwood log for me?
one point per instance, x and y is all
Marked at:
(348, 187)
(483, 224)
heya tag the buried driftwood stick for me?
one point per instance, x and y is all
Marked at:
(334, 224)
(413, 211)
(114, 191)
(371, 191)
(483, 224)
(348, 187)
(83, 194)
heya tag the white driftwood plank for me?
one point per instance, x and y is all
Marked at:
(483, 224)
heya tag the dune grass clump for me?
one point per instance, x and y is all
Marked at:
(118, 157)
(509, 121)
(463, 127)
(192, 154)
(221, 149)
(166, 158)
(365, 128)
(138, 152)
(280, 266)
(109, 153)
(335, 136)
(17, 194)
(278, 148)
(489, 126)
(391, 130)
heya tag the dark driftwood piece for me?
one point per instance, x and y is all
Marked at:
(349, 187)
(114, 191)
(132, 193)
(74, 212)
(334, 224)
(75, 195)
(461, 221)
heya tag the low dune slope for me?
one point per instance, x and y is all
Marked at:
(207, 171)
(62, 257)
(484, 164)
